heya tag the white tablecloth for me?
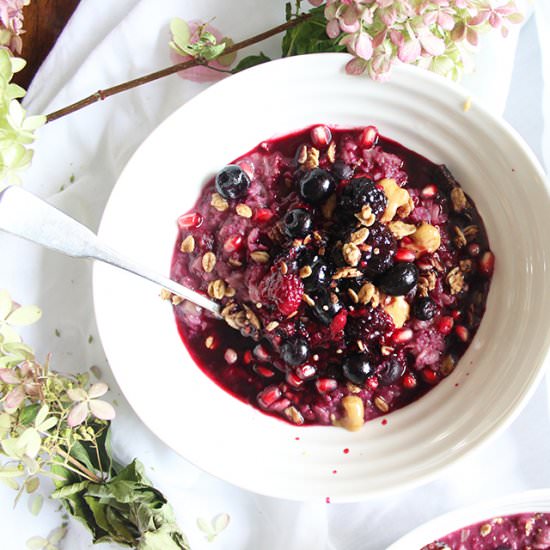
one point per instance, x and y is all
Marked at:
(107, 44)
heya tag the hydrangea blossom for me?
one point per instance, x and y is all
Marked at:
(11, 24)
(435, 34)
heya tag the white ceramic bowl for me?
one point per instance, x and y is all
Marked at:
(232, 440)
(519, 503)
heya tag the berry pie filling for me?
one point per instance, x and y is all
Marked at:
(517, 532)
(352, 275)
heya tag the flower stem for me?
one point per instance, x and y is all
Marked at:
(104, 94)
(87, 473)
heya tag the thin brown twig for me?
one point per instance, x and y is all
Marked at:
(88, 473)
(104, 94)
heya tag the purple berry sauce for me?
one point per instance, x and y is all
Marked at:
(355, 271)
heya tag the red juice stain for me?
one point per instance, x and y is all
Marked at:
(297, 438)
(384, 422)
(327, 500)
(456, 385)
(334, 471)
(346, 451)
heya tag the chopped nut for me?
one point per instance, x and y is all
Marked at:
(259, 256)
(359, 236)
(271, 326)
(353, 388)
(252, 317)
(366, 217)
(401, 229)
(165, 294)
(455, 280)
(426, 238)
(188, 244)
(243, 210)
(235, 262)
(458, 199)
(234, 316)
(308, 300)
(218, 202)
(426, 283)
(176, 300)
(307, 239)
(216, 289)
(353, 295)
(380, 404)
(294, 415)
(208, 262)
(354, 413)
(312, 159)
(284, 268)
(386, 350)
(209, 342)
(398, 309)
(360, 345)
(328, 207)
(399, 200)
(460, 239)
(230, 292)
(466, 266)
(305, 272)
(471, 232)
(447, 365)
(302, 154)
(366, 293)
(331, 152)
(346, 273)
(351, 254)
(485, 529)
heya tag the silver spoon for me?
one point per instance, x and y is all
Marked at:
(25, 215)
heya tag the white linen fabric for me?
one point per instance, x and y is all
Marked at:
(107, 44)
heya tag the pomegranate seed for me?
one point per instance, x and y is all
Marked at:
(368, 137)
(247, 168)
(487, 263)
(261, 353)
(280, 406)
(293, 380)
(232, 244)
(404, 255)
(462, 332)
(429, 191)
(306, 371)
(445, 325)
(372, 382)
(455, 314)
(402, 335)
(268, 396)
(263, 215)
(406, 241)
(263, 371)
(473, 249)
(189, 221)
(429, 376)
(247, 357)
(409, 381)
(338, 323)
(230, 356)
(325, 385)
(321, 136)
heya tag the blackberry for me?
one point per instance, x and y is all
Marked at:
(383, 247)
(368, 325)
(359, 192)
(424, 308)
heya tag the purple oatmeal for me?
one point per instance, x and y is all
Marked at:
(355, 271)
(518, 532)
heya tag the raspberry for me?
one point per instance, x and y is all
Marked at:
(283, 292)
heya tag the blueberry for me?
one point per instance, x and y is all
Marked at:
(399, 279)
(360, 192)
(342, 170)
(326, 305)
(357, 368)
(424, 308)
(294, 351)
(316, 185)
(321, 275)
(297, 223)
(392, 370)
(232, 182)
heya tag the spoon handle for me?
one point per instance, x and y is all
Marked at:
(25, 215)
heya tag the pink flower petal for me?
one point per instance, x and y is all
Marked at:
(430, 17)
(349, 20)
(363, 46)
(77, 394)
(446, 21)
(333, 28)
(14, 398)
(495, 20)
(8, 376)
(356, 66)
(409, 51)
(316, 3)
(78, 414)
(379, 38)
(471, 36)
(396, 37)
(478, 19)
(102, 409)
(97, 390)
(431, 44)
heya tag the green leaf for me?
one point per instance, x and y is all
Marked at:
(98, 510)
(42, 414)
(228, 59)
(69, 490)
(250, 61)
(57, 535)
(180, 32)
(25, 315)
(164, 538)
(81, 453)
(212, 52)
(17, 64)
(32, 484)
(5, 304)
(28, 414)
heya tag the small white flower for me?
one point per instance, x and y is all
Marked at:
(87, 402)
